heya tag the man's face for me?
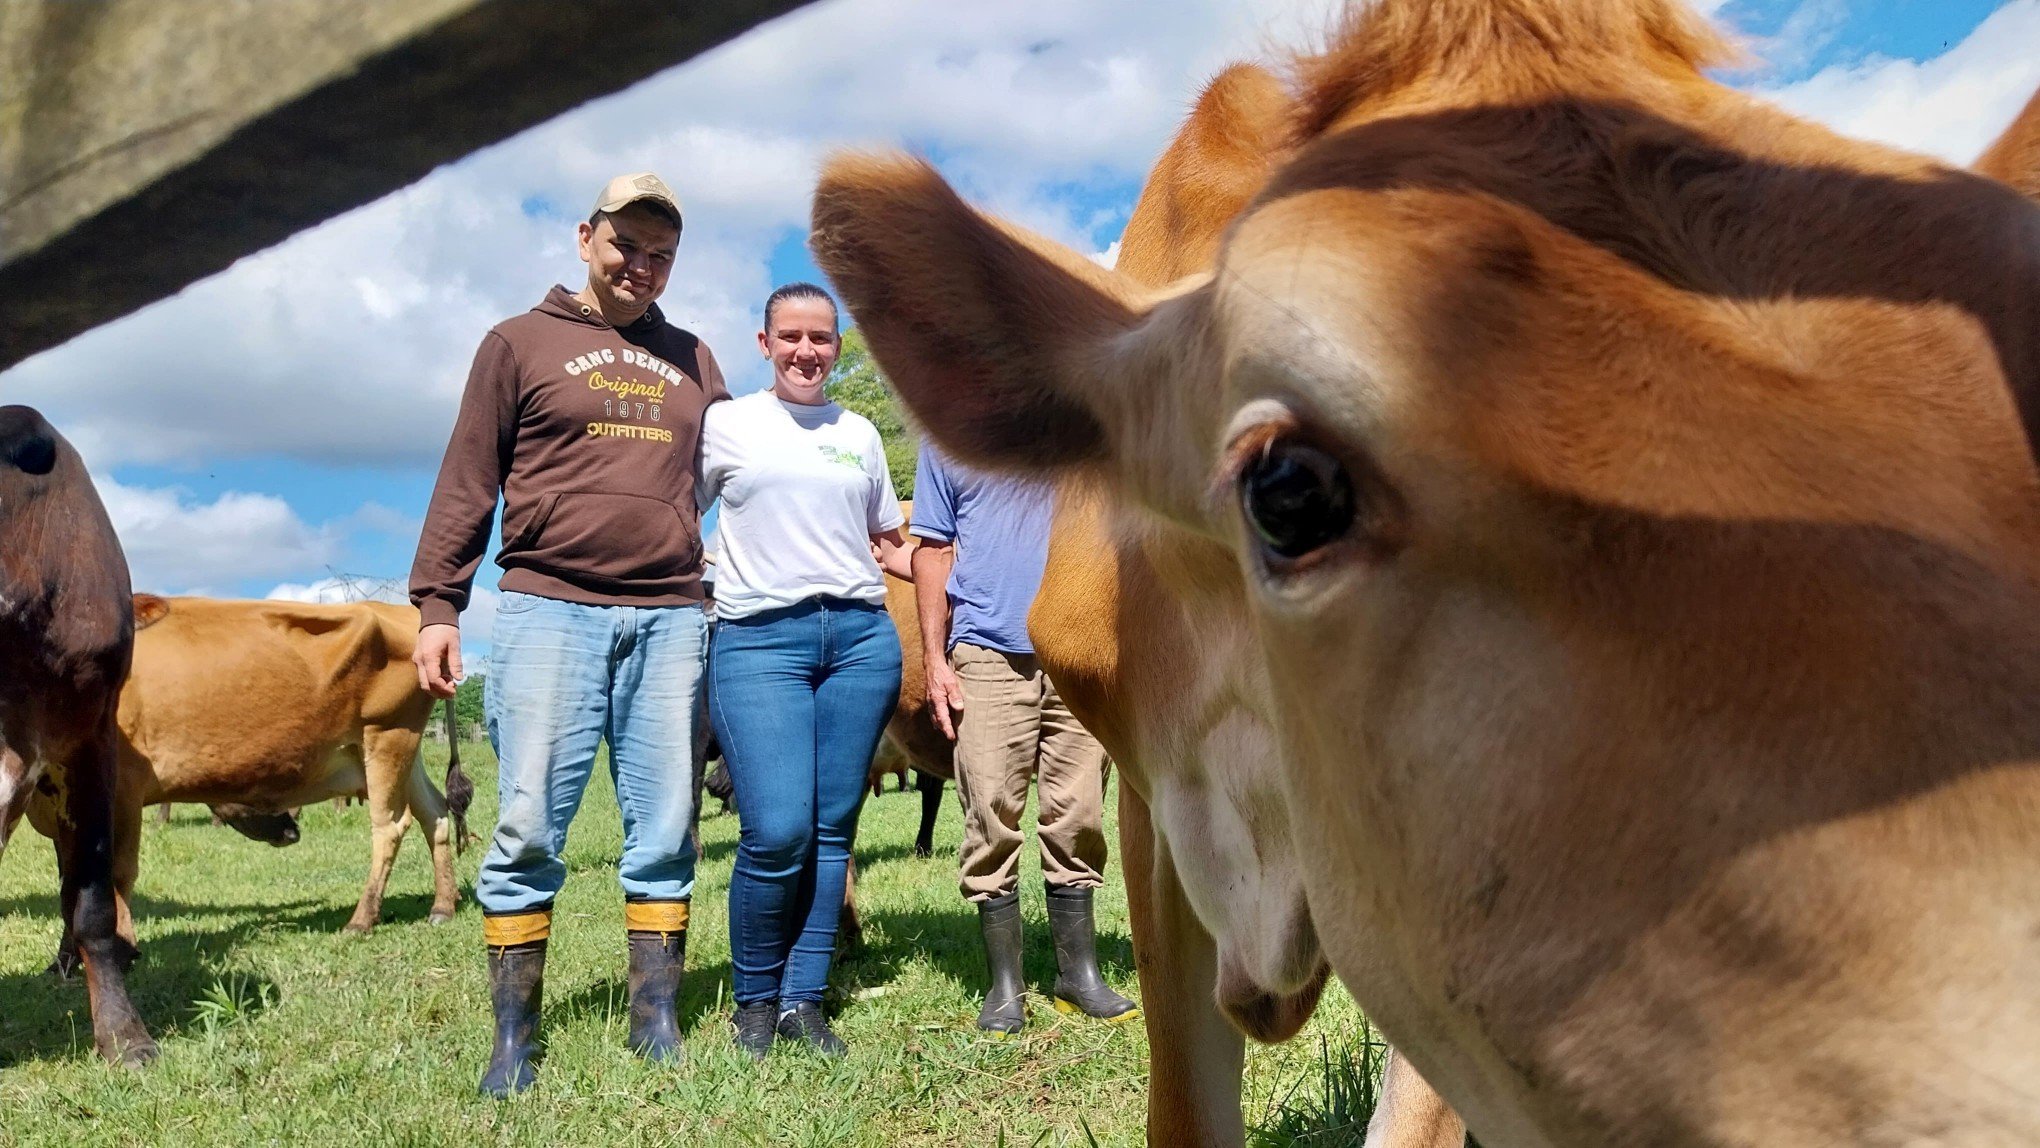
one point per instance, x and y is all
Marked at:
(629, 254)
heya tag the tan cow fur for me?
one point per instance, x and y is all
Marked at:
(1165, 673)
(2015, 158)
(274, 705)
(1660, 729)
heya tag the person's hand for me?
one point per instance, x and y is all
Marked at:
(945, 693)
(438, 659)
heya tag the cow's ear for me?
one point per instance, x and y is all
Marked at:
(149, 610)
(2015, 158)
(1001, 341)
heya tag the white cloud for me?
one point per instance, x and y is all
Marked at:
(338, 589)
(478, 622)
(1951, 106)
(175, 544)
(349, 344)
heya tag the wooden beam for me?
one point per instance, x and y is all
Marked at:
(145, 144)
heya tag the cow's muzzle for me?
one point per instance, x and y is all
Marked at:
(27, 442)
(273, 827)
(1269, 1017)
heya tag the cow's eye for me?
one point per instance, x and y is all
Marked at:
(1297, 498)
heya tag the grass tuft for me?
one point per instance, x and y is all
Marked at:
(230, 1002)
(1332, 1105)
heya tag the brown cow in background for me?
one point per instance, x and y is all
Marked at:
(263, 706)
(65, 640)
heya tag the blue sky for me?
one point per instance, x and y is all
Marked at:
(283, 420)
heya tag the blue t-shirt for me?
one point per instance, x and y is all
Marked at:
(1000, 528)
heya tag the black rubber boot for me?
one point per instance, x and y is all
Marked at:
(755, 1024)
(516, 982)
(806, 1024)
(1005, 1008)
(657, 961)
(1078, 987)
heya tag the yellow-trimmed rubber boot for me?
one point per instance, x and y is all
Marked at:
(1078, 986)
(657, 935)
(1005, 1008)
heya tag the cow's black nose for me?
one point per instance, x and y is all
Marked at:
(26, 441)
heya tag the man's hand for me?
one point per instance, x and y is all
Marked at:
(945, 693)
(438, 659)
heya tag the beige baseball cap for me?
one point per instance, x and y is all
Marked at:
(625, 190)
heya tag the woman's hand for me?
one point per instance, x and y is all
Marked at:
(895, 554)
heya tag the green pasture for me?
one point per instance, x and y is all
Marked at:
(276, 1029)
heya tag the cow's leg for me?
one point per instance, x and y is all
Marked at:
(389, 818)
(428, 805)
(127, 849)
(1194, 1056)
(1411, 1114)
(849, 929)
(163, 813)
(931, 805)
(48, 818)
(128, 805)
(87, 839)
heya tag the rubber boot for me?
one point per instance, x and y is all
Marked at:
(1078, 987)
(1005, 1008)
(657, 963)
(516, 982)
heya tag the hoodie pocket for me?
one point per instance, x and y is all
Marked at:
(625, 542)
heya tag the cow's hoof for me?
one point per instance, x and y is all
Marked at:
(133, 1053)
(358, 929)
(438, 917)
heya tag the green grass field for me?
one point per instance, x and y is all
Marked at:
(276, 1029)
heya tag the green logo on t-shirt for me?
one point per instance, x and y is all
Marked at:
(849, 458)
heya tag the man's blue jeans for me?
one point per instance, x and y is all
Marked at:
(563, 677)
(798, 698)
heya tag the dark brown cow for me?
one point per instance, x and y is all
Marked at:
(65, 640)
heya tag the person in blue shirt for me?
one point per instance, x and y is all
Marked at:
(982, 547)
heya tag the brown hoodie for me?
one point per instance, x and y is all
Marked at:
(591, 434)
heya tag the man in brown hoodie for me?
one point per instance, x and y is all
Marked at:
(584, 414)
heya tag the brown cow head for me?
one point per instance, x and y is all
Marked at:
(270, 826)
(1155, 655)
(1632, 494)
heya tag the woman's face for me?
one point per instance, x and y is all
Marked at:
(800, 339)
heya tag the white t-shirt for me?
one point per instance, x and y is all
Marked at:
(803, 490)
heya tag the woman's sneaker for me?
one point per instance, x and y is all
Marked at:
(805, 1024)
(753, 1023)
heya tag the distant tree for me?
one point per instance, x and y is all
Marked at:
(467, 701)
(858, 385)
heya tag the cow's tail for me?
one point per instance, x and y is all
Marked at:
(460, 792)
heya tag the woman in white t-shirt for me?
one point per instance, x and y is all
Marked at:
(804, 664)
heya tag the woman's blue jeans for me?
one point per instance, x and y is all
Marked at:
(798, 697)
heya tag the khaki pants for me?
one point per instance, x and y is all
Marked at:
(1014, 727)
